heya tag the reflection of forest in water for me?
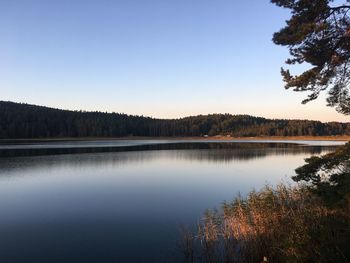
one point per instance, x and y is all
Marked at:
(118, 156)
(224, 151)
(101, 192)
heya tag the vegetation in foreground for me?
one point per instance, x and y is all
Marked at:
(282, 224)
(306, 223)
(318, 36)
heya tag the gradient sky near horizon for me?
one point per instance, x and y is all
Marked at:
(160, 58)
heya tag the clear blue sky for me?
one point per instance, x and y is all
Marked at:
(161, 58)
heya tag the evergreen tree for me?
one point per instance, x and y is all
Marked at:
(318, 34)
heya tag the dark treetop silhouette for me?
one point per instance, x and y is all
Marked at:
(318, 34)
(30, 121)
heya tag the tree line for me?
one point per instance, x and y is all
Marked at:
(19, 120)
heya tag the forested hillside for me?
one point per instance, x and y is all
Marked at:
(19, 120)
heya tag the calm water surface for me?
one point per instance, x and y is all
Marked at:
(123, 201)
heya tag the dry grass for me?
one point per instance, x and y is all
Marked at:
(282, 224)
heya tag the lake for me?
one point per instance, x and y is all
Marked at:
(124, 201)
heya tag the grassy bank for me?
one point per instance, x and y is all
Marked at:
(282, 224)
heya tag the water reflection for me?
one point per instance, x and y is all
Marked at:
(124, 204)
(237, 150)
(121, 156)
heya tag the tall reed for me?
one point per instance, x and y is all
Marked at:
(281, 224)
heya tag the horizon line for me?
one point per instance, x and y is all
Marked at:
(158, 118)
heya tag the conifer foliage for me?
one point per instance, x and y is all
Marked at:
(318, 34)
(19, 120)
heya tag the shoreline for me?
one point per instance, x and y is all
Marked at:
(209, 138)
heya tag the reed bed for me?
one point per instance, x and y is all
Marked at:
(281, 224)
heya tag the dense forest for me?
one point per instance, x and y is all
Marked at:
(18, 120)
